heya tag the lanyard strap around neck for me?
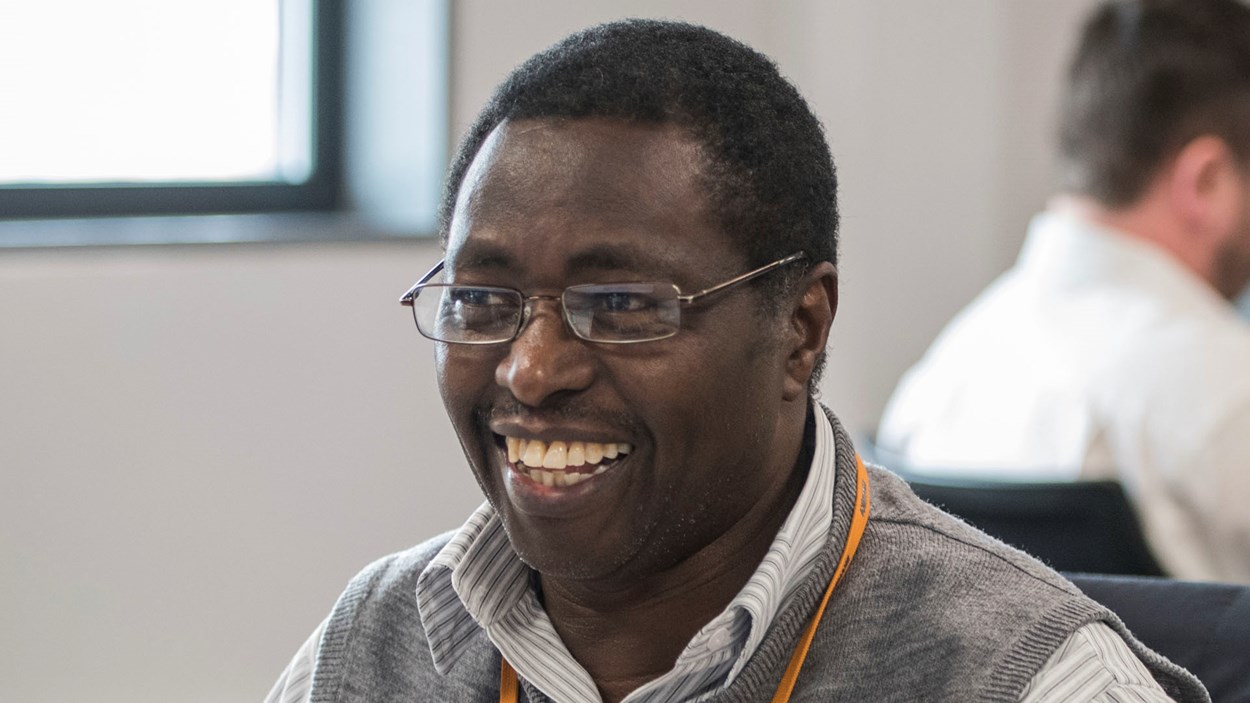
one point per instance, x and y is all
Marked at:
(508, 684)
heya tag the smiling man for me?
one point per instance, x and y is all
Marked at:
(639, 282)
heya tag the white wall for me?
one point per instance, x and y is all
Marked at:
(199, 445)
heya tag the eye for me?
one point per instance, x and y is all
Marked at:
(477, 297)
(622, 302)
(466, 307)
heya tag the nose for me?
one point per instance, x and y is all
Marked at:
(545, 359)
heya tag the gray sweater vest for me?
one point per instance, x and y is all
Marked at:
(929, 610)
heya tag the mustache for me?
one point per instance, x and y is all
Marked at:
(571, 411)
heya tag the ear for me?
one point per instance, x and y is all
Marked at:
(1205, 188)
(813, 307)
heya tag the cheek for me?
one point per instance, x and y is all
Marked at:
(443, 371)
(464, 382)
(465, 378)
(449, 383)
(715, 405)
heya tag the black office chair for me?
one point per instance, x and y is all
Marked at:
(1204, 627)
(1086, 526)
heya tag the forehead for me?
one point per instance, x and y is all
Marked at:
(586, 189)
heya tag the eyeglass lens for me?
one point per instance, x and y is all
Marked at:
(628, 312)
(625, 312)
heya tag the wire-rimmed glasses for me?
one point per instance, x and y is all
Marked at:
(612, 313)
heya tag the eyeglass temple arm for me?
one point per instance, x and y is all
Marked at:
(411, 294)
(743, 278)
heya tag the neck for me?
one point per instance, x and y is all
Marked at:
(625, 639)
(628, 633)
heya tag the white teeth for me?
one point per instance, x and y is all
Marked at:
(556, 454)
(546, 463)
(594, 452)
(534, 453)
(560, 479)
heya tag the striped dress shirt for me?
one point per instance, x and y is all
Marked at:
(478, 582)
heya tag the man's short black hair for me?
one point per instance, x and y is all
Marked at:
(1148, 77)
(769, 175)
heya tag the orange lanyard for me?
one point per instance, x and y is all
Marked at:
(859, 520)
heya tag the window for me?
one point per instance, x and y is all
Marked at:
(157, 107)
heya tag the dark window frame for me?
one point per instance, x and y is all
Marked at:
(320, 192)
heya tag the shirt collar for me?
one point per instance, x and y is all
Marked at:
(794, 549)
(1074, 252)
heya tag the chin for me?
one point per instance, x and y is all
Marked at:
(553, 554)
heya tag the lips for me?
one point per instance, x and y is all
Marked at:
(562, 463)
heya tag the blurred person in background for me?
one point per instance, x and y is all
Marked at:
(1113, 348)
